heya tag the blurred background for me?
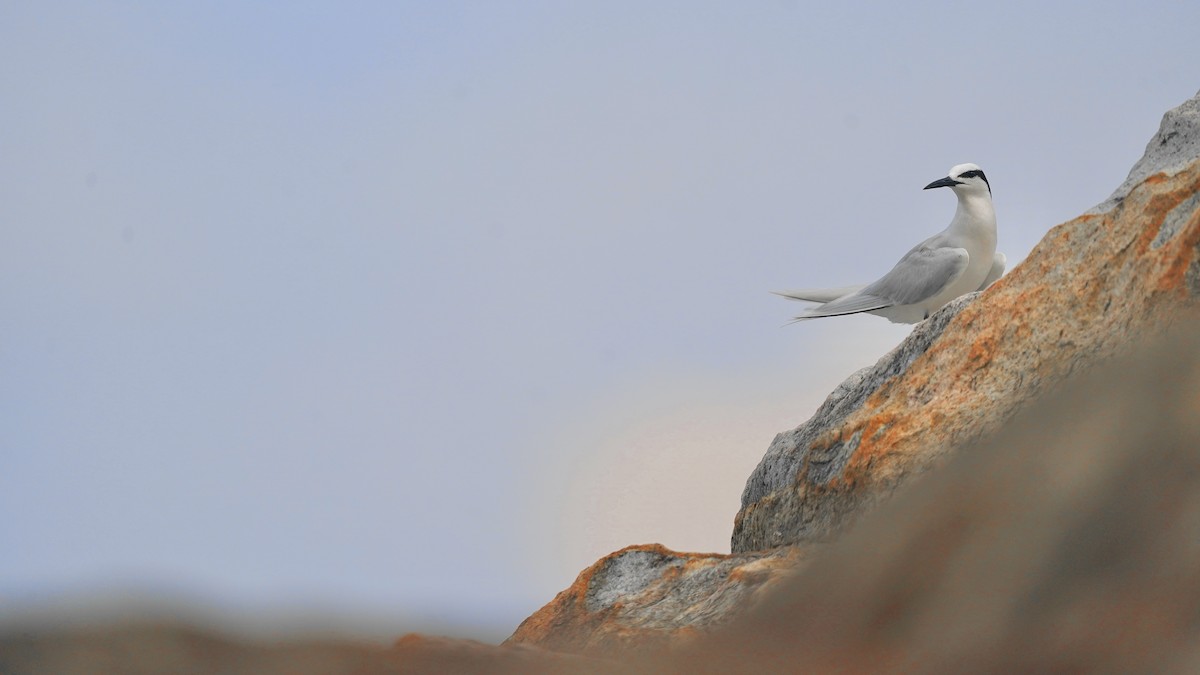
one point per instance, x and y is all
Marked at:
(377, 317)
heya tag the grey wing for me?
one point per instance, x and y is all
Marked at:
(921, 274)
(997, 271)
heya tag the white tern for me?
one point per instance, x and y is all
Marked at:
(959, 259)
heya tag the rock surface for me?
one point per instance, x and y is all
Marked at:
(1176, 145)
(1093, 287)
(643, 598)
(1068, 543)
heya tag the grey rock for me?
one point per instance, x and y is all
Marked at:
(627, 574)
(1175, 220)
(1176, 145)
(1068, 543)
(788, 453)
(648, 596)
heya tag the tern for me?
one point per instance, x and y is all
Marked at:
(960, 259)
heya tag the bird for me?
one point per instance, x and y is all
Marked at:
(960, 259)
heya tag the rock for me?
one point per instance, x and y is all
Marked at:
(1093, 288)
(1176, 145)
(783, 462)
(644, 598)
(1070, 542)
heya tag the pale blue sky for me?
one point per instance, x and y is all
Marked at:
(412, 310)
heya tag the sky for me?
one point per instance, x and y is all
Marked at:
(402, 314)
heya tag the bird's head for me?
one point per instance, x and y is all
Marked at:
(964, 179)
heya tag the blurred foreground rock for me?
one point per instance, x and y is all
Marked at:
(176, 649)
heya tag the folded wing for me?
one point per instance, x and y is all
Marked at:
(921, 274)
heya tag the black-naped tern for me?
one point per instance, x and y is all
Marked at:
(960, 259)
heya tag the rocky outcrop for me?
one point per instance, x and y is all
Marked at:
(1068, 543)
(1173, 148)
(643, 598)
(1094, 288)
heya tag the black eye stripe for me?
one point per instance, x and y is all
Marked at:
(972, 173)
(976, 173)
